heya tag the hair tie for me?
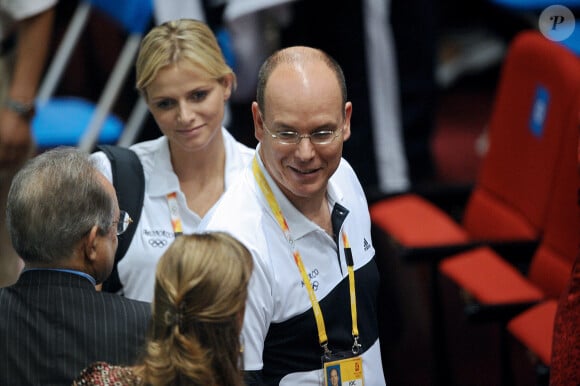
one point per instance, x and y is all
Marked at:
(175, 316)
(181, 315)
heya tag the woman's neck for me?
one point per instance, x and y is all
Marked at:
(199, 164)
(201, 175)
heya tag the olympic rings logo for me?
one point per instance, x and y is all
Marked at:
(157, 243)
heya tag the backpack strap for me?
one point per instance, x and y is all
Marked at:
(129, 182)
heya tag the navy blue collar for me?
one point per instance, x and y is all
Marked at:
(74, 272)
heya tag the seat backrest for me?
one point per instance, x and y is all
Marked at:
(552, 263)
(132, 16)
(536, 104)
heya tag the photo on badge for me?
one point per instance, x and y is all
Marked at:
(346, 372)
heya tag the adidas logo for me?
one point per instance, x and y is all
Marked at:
(366, 245)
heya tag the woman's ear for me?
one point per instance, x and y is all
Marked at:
(228, 83)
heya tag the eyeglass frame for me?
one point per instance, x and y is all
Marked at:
(300, 137)
(123, 222)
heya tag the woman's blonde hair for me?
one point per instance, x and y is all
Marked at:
(200, 294)
(187, 41)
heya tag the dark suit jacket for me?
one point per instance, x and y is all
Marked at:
(53, 324)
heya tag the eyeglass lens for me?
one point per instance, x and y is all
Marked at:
(123, 223)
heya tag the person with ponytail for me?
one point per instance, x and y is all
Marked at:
(198, 309)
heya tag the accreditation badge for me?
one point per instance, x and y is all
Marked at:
(340, 370)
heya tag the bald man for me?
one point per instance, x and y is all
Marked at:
(301, 211)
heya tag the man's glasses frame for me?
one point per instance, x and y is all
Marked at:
(320, 137)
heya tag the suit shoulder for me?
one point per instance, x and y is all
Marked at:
(123, 302)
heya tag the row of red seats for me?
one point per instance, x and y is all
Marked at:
(512, 249)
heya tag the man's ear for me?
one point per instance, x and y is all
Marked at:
(258, 124)
(347, 115)
(91, 242)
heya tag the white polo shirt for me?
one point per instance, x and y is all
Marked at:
(154, 231)
(279, 321)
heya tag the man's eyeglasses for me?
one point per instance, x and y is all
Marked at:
(321, 137)
(123, 222)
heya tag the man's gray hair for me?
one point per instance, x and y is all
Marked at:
(53, 202)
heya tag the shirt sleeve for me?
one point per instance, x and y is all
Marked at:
(101, 162)
(18, 9)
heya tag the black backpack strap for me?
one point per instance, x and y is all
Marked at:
(129, 182)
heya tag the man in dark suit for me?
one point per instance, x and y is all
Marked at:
(63, 220)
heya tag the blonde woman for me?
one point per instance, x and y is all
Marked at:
(198, 309)
(183, 76)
